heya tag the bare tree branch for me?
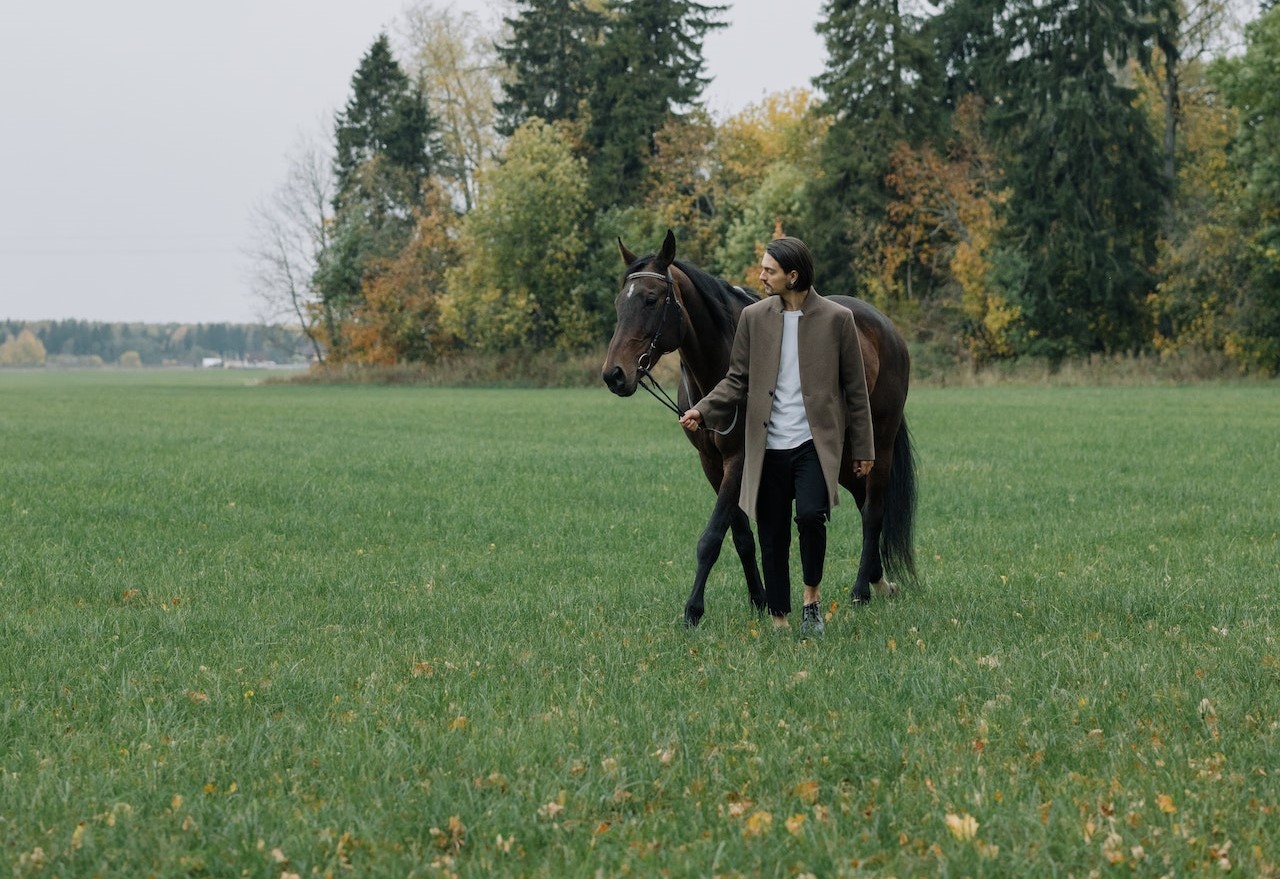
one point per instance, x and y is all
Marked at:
(291, 234)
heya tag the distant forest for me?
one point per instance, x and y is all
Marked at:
(90, 343)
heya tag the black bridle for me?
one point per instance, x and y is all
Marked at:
(646, 361)
(649, 357)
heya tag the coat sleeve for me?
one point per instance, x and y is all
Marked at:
(720, 405)
(853, 381)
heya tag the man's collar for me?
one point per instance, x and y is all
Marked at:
(777, 304)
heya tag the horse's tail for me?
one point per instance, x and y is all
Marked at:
(897, 535)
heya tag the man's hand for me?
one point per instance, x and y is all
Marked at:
(862, 468)
(691, 420)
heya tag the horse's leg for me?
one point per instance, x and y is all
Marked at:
(870, 498)
(744, 540)
(725, 476)
(709, 550)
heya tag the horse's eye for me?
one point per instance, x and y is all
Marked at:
(651, 300)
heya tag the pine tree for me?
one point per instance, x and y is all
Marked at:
(385, 116)
(880, 89)
(550, 59)
(1085, 169)
(385, 140)
(649, 66)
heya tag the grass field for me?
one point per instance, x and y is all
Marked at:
(275, 631)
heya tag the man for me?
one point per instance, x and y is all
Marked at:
(797, 364)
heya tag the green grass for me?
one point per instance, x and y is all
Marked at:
(270, 630)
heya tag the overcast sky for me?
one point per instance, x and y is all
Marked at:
(138, 135)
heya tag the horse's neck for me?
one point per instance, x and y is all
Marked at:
(704, 354)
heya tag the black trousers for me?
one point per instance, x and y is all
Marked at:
(791, 476)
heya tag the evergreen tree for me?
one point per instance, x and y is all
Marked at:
(1092, 180)
(1085, 170)
(550, 59)
(880, 90)
(385, 116)
(649, 66)
(965, 35)
(385, 143)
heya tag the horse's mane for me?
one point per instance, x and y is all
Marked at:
(724, 300)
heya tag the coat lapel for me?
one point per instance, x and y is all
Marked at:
(772, 352)
(805, 330)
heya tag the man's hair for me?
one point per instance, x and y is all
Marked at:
(793, 255)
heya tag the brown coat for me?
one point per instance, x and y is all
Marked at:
(831, 380)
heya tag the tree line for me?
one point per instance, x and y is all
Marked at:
(93, 343)
(1005, 178)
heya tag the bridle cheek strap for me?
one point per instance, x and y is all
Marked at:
(646, 360)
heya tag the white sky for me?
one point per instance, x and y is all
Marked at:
(137, 135)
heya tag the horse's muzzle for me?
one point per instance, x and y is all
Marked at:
(616, 380)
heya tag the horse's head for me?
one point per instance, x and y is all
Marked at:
(650, 318)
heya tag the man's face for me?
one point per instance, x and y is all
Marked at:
(772, 276)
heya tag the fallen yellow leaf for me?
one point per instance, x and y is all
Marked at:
(807, 791)
(758, 823)
(963, 827)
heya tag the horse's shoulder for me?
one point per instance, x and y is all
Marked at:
(853, 303)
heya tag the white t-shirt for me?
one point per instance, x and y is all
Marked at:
(788, 422)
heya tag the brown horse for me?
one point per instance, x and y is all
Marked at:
(667, 305)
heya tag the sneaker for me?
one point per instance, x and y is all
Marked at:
(811, 620)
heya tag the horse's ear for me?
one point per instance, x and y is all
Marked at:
(627, 256)
(668, 253)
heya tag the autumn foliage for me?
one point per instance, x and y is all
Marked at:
(398, 319)
(996, 203)
(941, 233)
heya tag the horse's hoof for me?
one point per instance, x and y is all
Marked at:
(692, 618)
(887, 588)
(861, 594)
